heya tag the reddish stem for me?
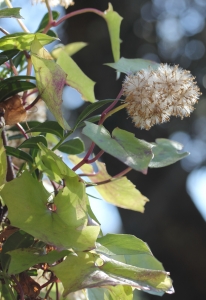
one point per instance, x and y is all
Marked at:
(33, 103)
(22, 131)
(90, 161)
(21, 292)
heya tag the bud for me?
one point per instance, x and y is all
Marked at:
(152, 96)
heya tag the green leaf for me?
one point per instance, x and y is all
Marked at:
(166, 152)
(49, 127)
(50, 81)
(6, 292)
(75, 146)
(76, 78)
(128, 65)
(11, 13)
(13, 85)
(17, 240)
(6, 55)
(123, 145)
(24, 258)
(91, 120)
(120, 192)
(33, 141)
(45, 20)
(66, 227)
(121, 244)
(114, 20)
(19, 154)
(22, 41)
(111, 293)
(3, 163)
(70, 49)
(90, 109)
(89, 270)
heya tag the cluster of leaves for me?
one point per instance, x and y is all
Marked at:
(55, 233)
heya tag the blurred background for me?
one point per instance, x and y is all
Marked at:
(168, 31)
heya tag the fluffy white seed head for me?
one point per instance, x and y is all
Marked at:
(64, 3)
(152, 96)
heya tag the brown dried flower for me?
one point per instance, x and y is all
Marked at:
(152, 96)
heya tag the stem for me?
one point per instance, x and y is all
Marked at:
(4, 31)
(49, 290)
(57, 291)
(90, 161)
(62, 140)
(115, 110)
(22, 131)
(8, 3)
(10, 170)
(33, 103)
(19, 287)
(70, 15)
(12, 66)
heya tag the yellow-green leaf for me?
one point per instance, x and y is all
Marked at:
(76, 78)
(120, 192)
(70, 49)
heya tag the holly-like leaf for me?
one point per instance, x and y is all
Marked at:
(123, 145)
(122, 292)
(46, 127)
(128, 65)
(33, 142)
(3, 163)
(24, 258)
(76, 78)
(74, 146)
(89, 270)
(22, 41)
(120, 192)
(50, 81)
(166, 152)
(70, 49)
(11, 13)
(6, 55)
(114, 20)
(64, 227)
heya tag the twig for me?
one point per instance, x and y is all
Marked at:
(10, 170)
(21, 292)
(22, 131)
(49, 290)
(8, 3)
(33, 103)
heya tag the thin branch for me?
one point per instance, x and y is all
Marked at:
(33, 103)
(4, 31)
(10, 170)
(49, 290)
(22, 130)
(21, 292)
(90, 161)
(57, 291)
(8, 3)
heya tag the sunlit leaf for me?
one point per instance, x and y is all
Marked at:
(11, 13)
(74, 146)
(132, 65)
(3, 163)
(89, 270)
(166, 152)
(48, 127)
(114, 20)
(64, 227)
(123, 145)
(24, 258)
(122, 292)
(76, 78)
(18, 154)
(33, 141)
(50, 81)
(22, 41)
(120, 192)
(70, 49)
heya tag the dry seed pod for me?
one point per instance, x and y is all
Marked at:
(13, 111)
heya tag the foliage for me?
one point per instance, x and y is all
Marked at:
(50, 228)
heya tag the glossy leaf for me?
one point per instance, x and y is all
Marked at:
(114, 20)
(90, 109)
(18, 154)
(33, 142)
(120, 192)
(70, 49)
(17, 240)
(128, 65)
(75, 146)
(24, 258)
(13, 85)
(121, 244)
(11, 13)
(25, 125)
(110, 293)
(3, 163)
(91, 120)
(89, 270)
(65, 227)
(76, 78)
(47, 127)
(6, 55)
(123, 145)
(22, 41)
(50, 81)
(166, 152)
(45, 20)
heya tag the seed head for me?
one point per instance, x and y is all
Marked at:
(152, 96)
(64, 3)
